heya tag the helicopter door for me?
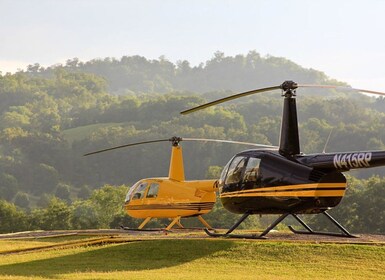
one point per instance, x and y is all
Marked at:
(139, 192)
(153, 191)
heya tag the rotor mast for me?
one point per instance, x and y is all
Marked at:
(289, 139)
(176, 171)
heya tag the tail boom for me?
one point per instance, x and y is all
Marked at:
(344, 161)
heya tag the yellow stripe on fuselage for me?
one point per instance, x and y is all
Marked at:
(302, 190)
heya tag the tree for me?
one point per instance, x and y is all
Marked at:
(8, 186)
(108, 202)
(370, 206)
(84, 192)
(63, 192)
(11, 218)
(84, 216)
(22, 200)
(214, 172)
(45, 178)
(56, 216)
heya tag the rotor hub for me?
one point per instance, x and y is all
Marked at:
(289, 88)
(175, 140)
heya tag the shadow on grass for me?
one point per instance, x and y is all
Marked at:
(134, 256)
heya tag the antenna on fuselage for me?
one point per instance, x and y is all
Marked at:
(327, 141)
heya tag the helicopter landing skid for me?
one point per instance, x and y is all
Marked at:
(137, 229)
(309, 230)
(344, 233)
(247, 236)
(229, 235)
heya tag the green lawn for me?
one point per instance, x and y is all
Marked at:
(7, 246)
(199, 259)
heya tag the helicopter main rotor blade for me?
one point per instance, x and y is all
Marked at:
(175, 140)
(231, 97)
(127, 145)
(230, 141)
(286, 86)
(342, 88)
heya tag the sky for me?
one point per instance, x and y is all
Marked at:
(344, 39)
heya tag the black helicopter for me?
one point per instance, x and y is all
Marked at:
(285, 181)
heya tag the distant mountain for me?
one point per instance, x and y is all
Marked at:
(235, 73)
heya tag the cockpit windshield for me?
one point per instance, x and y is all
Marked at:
(130, 191)
(241, 173)
(235, 170)
(223, 174)
(136, 191)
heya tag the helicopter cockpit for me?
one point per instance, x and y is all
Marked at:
(241, 173)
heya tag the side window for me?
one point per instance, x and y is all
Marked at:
(234, 175)
(139, 192)
(153, 190)
(251, 176)
(251, 172)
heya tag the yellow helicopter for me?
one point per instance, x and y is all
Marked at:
(172, 197)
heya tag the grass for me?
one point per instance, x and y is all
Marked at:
(199, 259)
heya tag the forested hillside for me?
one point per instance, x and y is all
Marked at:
(136, 74)
(50, 117)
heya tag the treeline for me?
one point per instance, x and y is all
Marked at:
(50, 117)
(102, 209)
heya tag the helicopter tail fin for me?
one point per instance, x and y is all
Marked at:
(176, 171)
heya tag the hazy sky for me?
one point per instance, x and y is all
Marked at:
(344, 39)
